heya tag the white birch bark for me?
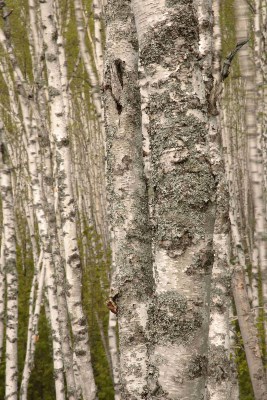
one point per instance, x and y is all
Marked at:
(263, 31)
(47, 183)
(58, 260)
(66, 206)
(255, 160)
(221, 376)
(87, 59)
(114, 353)
(45, 237)
(51, 288)
(2, 296)
(132, 280)
(29, 122)
(183, 198)
(63, 62)
(10, 270)
(32, 335)
(48, 265)
(226, 123)
(98, 38)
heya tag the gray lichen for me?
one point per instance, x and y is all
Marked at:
(172, 320)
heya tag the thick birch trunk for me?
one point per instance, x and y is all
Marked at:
(183, 195)
(66, 206)
(10, 270)
(132, 280)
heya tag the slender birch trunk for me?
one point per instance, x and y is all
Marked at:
(132, 282)
(58, 260)
(255, 160)
(236, 243)
(87, 59)
(2, 296)
(249, 335)
(98, 38)
(10, 270)
(48, 264)
(33, 334)
(66, 204)
(221, 376)
(112, 325)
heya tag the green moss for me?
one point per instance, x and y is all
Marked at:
(245, 386)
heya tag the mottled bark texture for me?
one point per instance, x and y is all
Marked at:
(10, 271)
(131, 248)
(183, 189)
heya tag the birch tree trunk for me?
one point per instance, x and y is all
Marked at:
(221, 374)
(66, 204)
(10, 270)
(249, 335)
(132, 280)
(87, 59)
(33, 334)
(255, 160)
(114, 353)
(2, 296)
(183, 194)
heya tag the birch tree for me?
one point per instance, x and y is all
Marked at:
(66, 206)
(182, 187)
(132, 280)
(176, 242)
(10, 271)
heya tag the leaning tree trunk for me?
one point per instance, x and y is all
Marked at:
(10, 270)
(183, 188)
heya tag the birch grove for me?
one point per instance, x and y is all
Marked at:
(133, 156)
